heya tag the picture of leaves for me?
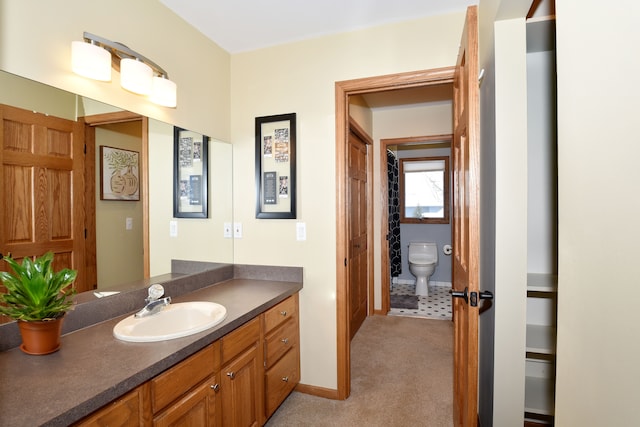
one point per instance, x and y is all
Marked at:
(120, 174)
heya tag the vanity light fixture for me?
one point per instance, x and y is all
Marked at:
(94, 57)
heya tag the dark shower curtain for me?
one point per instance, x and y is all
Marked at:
(395, 250)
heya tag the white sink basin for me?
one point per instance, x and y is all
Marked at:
(174, 321)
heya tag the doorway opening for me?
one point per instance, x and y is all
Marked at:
(344, 90)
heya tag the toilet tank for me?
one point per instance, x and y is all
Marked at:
(423, 252)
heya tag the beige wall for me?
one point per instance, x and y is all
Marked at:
(599, 207)
(35, 42)
(300, 77)
(120, 251)
(511, 220)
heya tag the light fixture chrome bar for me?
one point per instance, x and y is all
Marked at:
(122, 51)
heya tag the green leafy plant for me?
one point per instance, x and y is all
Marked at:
(34, 291)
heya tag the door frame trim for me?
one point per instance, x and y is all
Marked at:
(344, 89)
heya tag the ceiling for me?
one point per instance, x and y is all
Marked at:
(243, 25)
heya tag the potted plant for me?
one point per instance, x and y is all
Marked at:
(37, 298)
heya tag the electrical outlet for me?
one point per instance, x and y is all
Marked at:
(128, 224)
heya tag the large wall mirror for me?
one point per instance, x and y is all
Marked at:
(124, 252)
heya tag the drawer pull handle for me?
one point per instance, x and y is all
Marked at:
(285, 340)
(215, 387)
(284, 313)
(231, 375)
(285, 379)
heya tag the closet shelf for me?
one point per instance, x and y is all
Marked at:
(541, 339)
(539, 395)
(538, 282)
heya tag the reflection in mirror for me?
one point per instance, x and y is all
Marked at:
(424, 189)
(120, 240)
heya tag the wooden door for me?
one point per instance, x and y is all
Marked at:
(466, 174)
(358, 255)
(42, 166)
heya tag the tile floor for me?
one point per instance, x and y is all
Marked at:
(435, 306)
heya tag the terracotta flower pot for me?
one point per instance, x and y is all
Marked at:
(40, 337)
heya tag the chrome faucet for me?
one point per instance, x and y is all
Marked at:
(154, 302)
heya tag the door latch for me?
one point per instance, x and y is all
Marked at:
(471, 298)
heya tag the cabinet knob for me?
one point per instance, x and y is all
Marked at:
(284, 313)
(215, 387)
(285, 379)
(285, 340)
(231, 375)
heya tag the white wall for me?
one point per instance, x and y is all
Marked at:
(598, 152)
(542, 167)
(300, 77)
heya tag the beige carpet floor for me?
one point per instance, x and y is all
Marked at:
(401, 375)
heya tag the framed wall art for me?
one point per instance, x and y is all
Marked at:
(276, 166)
(119, 174)
(190, 174)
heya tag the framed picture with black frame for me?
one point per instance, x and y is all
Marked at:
(190, 174)
(276, 166)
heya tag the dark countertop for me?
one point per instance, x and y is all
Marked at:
(92, 368)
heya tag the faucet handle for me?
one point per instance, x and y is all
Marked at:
(155, 292)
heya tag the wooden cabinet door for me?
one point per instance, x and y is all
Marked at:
(240, 390)
(197, 408)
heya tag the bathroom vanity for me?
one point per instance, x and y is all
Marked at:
(236, 373)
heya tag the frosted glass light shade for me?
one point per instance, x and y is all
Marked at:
(89, 60)
(135, 76)
(163, 92)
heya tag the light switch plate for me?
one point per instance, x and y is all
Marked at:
(173, 228)
(227, 230)
(301, 231)
(129, 223)
(237, 230)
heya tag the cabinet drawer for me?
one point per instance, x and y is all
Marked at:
(279, 313)
(123, 412)
(281, 380)
(235, 342)
(178, 380)
(280, 340)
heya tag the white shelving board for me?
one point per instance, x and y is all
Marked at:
(538, 282)
(541, 339)
(539, 395)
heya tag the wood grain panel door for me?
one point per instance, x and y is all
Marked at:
(358, 254)
(42, 189)
(466, 174)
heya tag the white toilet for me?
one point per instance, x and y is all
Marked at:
(423, 258)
